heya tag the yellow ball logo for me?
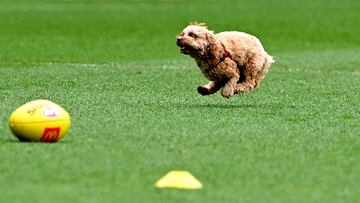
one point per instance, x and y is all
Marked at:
(40, 120)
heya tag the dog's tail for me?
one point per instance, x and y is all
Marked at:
(270, 59)
(267, 63)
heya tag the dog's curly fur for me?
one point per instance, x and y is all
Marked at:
(233, 61)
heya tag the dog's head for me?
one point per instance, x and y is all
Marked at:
(199, 42)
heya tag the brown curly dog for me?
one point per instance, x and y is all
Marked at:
(233, 61)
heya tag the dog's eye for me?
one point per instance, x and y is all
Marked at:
(191, 34)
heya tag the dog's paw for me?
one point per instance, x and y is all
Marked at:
(227, 93)
(203, 90)
(241, 89)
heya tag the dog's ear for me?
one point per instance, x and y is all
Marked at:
(214, 49)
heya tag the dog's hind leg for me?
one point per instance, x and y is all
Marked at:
(254, 75)
(244, 87)
(246, 83)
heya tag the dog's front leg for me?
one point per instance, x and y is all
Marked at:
(228, 89)
(210, 88)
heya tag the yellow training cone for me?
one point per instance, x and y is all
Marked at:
(180, 180)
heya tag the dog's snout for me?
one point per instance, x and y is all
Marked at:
(179, 41)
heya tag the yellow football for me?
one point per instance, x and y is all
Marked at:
(40, 120)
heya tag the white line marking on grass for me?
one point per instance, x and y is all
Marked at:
(160, 64)
(324, 71)
(175, 65)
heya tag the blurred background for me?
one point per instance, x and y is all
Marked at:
(111, 31)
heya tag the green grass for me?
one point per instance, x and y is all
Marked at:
(136, 114)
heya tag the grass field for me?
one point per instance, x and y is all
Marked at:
(136, 114)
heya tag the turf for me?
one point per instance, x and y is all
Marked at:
(136, 114)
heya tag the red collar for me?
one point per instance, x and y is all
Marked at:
(226, 54)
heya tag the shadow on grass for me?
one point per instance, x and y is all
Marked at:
(209, 106)
(221, 106)
(15, 141)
